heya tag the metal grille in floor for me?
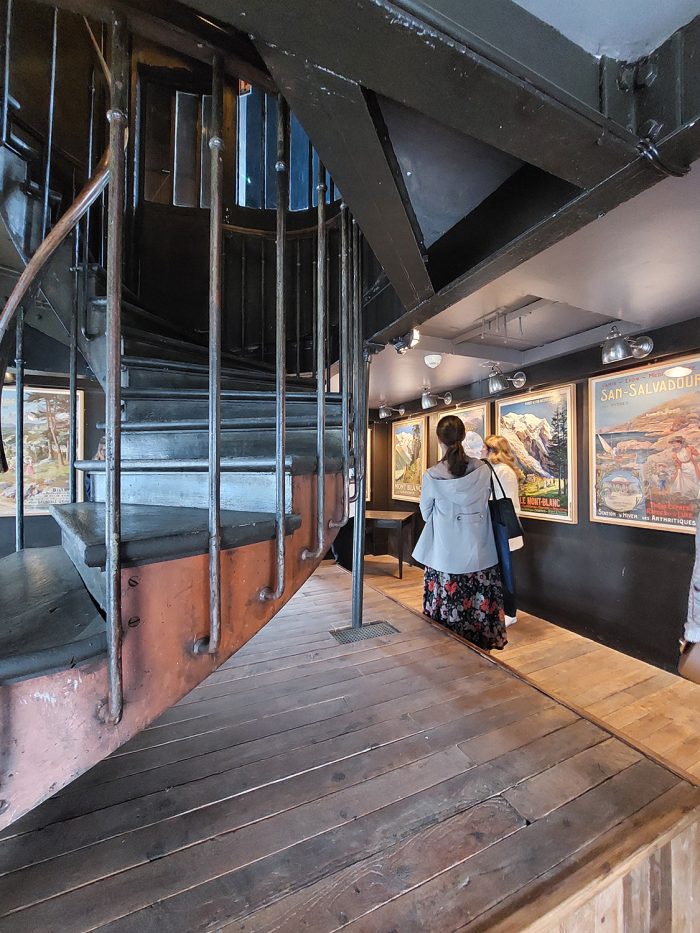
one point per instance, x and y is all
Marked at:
(371, 630)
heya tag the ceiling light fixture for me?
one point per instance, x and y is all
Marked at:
(407, 342)
(498, 382)
(618, 348)
(385, 411)
(428, 400)
(432, 360)
(677, 372)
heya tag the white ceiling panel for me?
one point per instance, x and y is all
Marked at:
(624, 29)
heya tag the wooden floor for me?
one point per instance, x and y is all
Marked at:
(402, 783)
(657, 712)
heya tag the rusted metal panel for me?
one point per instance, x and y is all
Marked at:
(52, 726)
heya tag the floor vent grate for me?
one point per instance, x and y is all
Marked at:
(371, 630)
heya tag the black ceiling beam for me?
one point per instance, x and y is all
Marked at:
(680, 148)
(382, 47)
(338, 119)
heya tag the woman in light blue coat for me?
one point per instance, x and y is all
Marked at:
(462, 588)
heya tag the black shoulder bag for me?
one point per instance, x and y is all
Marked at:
(502, 510)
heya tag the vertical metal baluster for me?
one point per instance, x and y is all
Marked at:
(297, 289)
(49, 134)
(319, 550)
(86, 222)
(117, 136)
(282, 177)
(327, 335)
(344, 364)
(73, 373)
(314, 306)
(19, 431)
(6, 71)
(243, 304)
(216, 145)
(262, 299)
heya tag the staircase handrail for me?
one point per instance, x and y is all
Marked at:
(90, 192)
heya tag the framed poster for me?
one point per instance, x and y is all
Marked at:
(645, 446)
(541, 430)
(46, 422)
(409, 458)
(476, 418)
(368, 478)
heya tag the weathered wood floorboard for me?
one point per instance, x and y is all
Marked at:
(402, 783)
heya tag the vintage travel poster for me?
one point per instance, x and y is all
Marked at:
(46, 419)
(408, 458)
(645, 446)
(541, 429)
(475, 418)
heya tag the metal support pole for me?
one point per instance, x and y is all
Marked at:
(49, 133)
(321, 310)
(73, 373)
(216, 146)
(358, 538)
(117, 117)
(344, 363)
(19, 432)
(356, 344)
(282, 176)
(6, 70)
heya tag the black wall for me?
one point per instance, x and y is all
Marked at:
(624, 587)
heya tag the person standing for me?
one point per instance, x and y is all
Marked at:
(462, 583)
(500, 456)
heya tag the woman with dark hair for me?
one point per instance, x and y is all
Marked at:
(463, 588)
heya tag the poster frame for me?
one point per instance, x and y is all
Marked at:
(29, 511)
(433, 450)
(592, 433)
(572, 448)
(403, 422)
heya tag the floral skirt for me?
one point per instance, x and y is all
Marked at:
(469, 604)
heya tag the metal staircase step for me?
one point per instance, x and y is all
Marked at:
(157, 373)
(238, 408)
(49, 621)
(189, 440)
(246, 483)
(150, 534)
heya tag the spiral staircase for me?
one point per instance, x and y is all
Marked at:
(57, 664)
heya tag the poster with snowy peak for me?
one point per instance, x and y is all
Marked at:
(541, 430)
(645, 446)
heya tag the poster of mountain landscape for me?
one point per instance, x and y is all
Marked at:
(645, 446)
(541, 429)
(46, 424)
(409, 457)
(474, 417)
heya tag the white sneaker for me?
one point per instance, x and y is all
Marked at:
(511, 620)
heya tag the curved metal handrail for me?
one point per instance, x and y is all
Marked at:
(48, 246)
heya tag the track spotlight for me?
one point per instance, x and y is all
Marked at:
(498, 382)
(430, 401)
(385, 411)
(618, 348)
(407, 342)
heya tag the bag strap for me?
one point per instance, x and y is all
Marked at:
(500, 486)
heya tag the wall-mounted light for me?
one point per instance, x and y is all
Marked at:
(428, 400)
(385, 411)
(432, 360)
(407, 342)
(498, 382)
(618, 348)
(677, 372)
